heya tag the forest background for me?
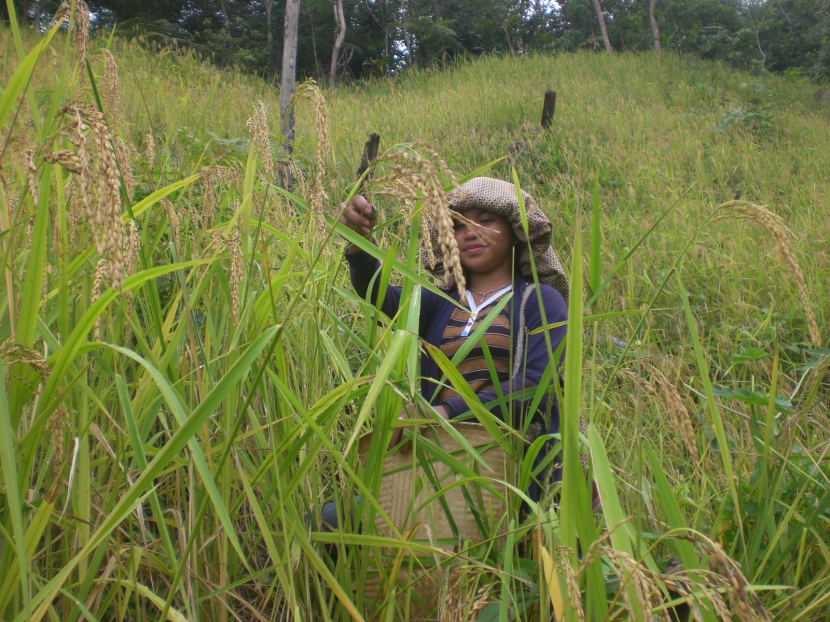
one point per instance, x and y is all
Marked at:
(364, 38)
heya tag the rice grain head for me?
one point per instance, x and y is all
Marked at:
(124, 167)
(97, 290)
(80, 28)
(564, 567)
(678, 412)
(413, 177)
(745, 603)
(56, 424)
(258, 126)
(31, 173)
(308, 90)
(103, 179)
(777, 229)
(237, 272)
(150, 149)
(111, 88)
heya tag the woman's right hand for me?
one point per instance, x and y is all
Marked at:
(359, 216)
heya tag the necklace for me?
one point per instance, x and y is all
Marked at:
(489, 291)
(474, 308)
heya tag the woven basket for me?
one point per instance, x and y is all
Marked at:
(404, 474)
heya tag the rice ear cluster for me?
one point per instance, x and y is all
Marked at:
(97, 290)
(574, 594)
(150, 149)
(31, 173)
(678, 412)
(258, 126)
(57, 422)
(413, 177)
(14, 352)
(237, 272)
(459, 603)
(746, 604)
(111, 88)
(781, 236)
(308, 90)
(104, 210)
(80, 28)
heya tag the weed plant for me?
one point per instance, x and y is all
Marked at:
(186, 372)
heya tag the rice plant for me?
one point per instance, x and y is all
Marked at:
(188, 378)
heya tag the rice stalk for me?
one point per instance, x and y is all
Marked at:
(97, 290)
(31, 173)
(413, 177)
(134, 245)
(80, 28)
(110, 88)
(678, 412)
(258, 127)
(58, 421)
(781, 236)
(564, 566)
(103, 179)
(308, 91)
(150, 149)
(236, 271)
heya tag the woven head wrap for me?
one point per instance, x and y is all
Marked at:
(499, 197)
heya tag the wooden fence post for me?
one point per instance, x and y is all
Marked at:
(548, 109)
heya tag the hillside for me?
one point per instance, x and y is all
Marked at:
(238, 338)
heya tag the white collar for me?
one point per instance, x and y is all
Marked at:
(476, 308)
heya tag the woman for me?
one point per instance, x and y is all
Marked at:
(492, 270)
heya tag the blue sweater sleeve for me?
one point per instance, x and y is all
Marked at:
(535, 359)
(362, 268)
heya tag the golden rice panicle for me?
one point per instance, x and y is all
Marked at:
(777, 229)
(574, 594)
(111, 88)
(678, 412)
(745, 603)
(413, 177)
(109, 198)
(125, 167)
(309, 90)
(258, 126)
(458, 603)
(640, 578)
(15, 352)
(105, 211)
(150, 149)
(97, 290)
(56, 424)
(237, 273)
(31, 173)
(80, 28)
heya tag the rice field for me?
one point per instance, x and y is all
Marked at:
(188, 376)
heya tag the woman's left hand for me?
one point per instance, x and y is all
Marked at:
(411, 411)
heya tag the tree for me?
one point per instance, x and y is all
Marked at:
(655, 31)
(603, 30)
(269, 5)
(288, 81)
(338, 42)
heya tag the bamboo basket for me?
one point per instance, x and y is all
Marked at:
(472, 507)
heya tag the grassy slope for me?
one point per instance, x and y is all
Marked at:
(647, 127)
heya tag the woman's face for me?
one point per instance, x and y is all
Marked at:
(476, 256)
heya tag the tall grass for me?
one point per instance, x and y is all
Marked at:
(166, 468)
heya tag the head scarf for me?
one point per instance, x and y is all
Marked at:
(499, 197)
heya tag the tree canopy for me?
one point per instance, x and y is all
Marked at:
(386, 36)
